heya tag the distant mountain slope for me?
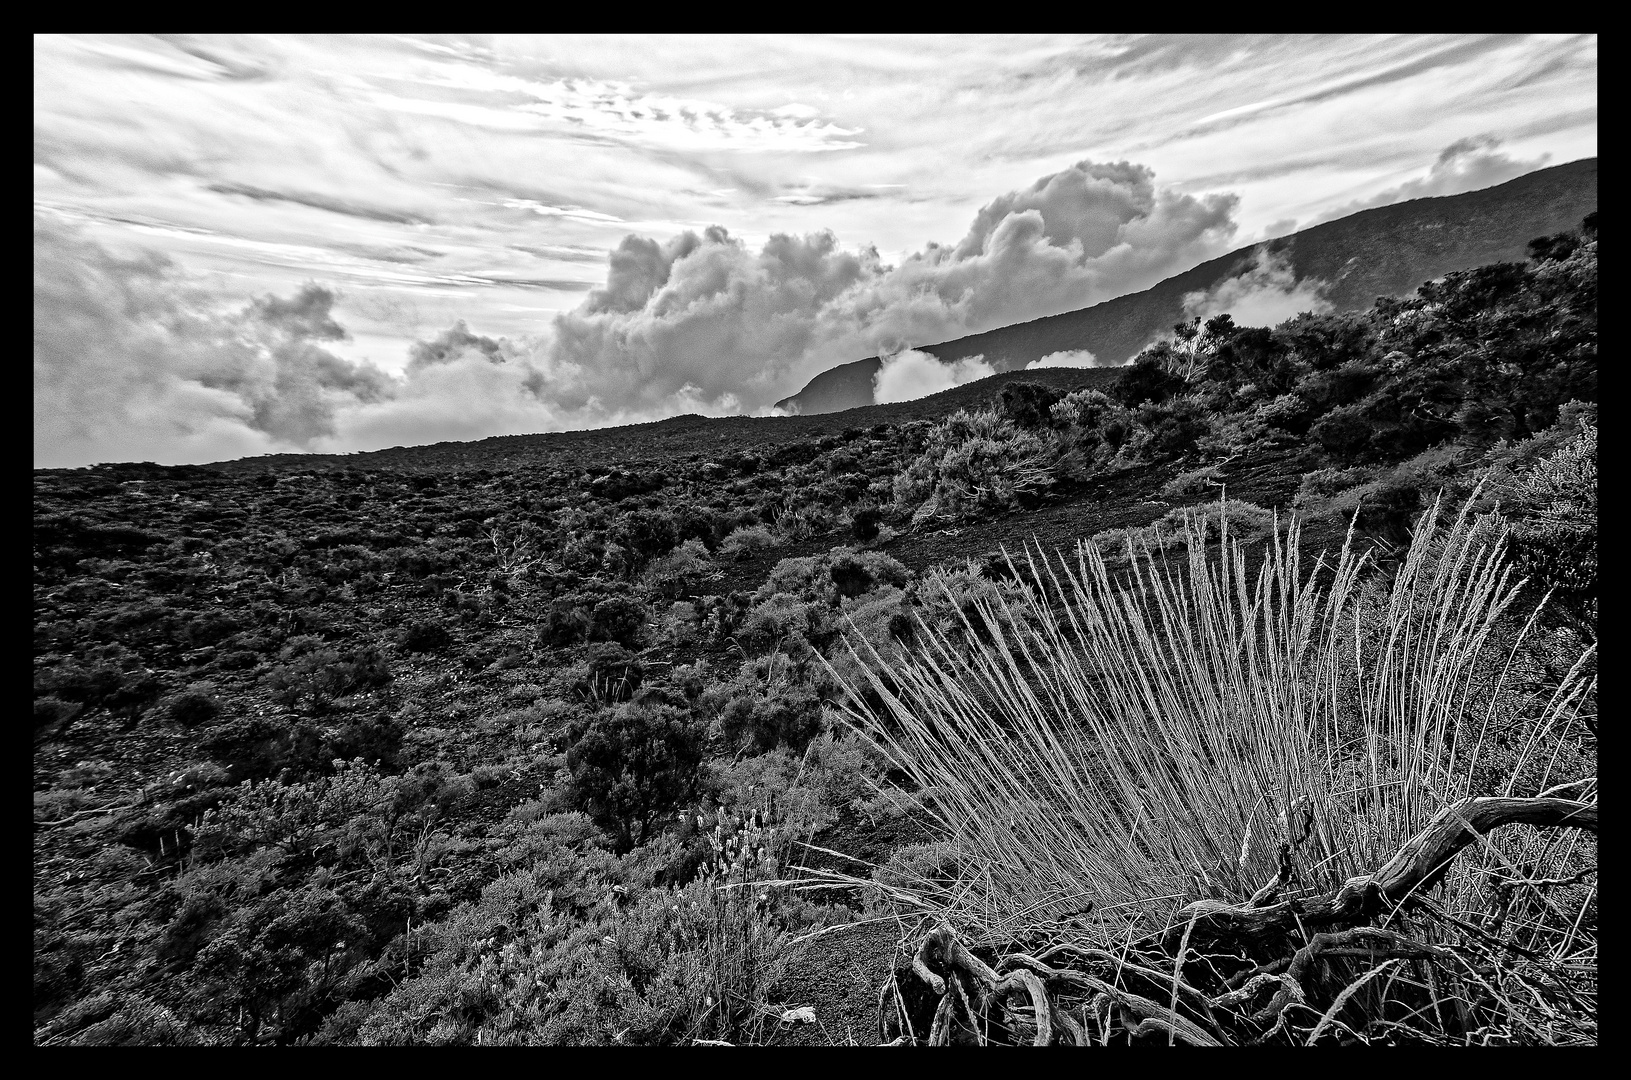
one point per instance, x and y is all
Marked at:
(664, 440)
(1387, 251)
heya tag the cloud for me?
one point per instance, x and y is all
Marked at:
(909, 375)
(1265, 295)
(705, 314)
(317, 202)
(129, 360)
(1465, 165)
(698, 323)
(452, 344)
(1074, 358)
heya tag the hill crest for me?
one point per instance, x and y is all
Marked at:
(1383, 251)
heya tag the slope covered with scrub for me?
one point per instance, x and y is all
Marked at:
(547, 739)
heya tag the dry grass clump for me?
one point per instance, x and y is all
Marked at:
(1183, 734)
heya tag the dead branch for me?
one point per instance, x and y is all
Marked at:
(1294, 933)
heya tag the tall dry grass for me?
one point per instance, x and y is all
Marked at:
(1110, 748)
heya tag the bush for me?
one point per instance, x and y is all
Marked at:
(612, 674)
(634, 764)
(974, 463)
(1557, 538)
(1193, 482)
(787, 715)
(620, 619)
(1344, 432)
(563, 623)
(1147, 379)
(318, 678)
(1099, 429)
(865, 522)
(427, 636)
(52, 714)
(1029, 405)
(682, 573)
(1161, 718)
(194, 708)
(1175, 424)
(777, 621)
(746, 541)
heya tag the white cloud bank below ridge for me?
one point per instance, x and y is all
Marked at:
(1069, 358)
(1265, 295)
(909, 375)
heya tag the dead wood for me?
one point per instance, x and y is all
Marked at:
(953, 995)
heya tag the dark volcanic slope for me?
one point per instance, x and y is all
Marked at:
(1387, 251)
(674, 438)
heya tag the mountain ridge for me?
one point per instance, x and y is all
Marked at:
(1420, 239)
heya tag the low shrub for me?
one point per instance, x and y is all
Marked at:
(619, 619)
(746, 541)
(318, 678)
(1193, 482)
(562, 623)
(611, 673)
(633, 764)
(194, 708)
(426, 636)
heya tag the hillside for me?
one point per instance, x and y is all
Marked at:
(531, 740)
(1386, 251)
(674, 439)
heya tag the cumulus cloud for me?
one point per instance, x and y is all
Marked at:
(129, 360)
(699, 323)
(1264, 295)
(1465, 165)
(706, 316)
(452, 344)
(909, 375)
(1071, 358)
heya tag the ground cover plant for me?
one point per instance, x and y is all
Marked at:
(562, 739)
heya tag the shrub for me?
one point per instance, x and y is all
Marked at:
(52, 714)
(1098, 428)
(563, 623)
(1322, 484)
(318, 678)
(1557, 538)
(973, 463)
(1147, 379)
(633, 764)
(1193, 482)
(194, 708)
(746, 541)
(666, 967)
(778, 620)
(787, 715)
(1183, 525)
(1147, 752)
(427, 636)
(620, 619)
(612, 673)
(855, 573)
(865, 522)
(681, 573)
(1029, 405)
(1176, 424)
(1344, 432)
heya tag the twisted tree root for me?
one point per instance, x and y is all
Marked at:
(972, 993)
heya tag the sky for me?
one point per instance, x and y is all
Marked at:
(247, 245)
